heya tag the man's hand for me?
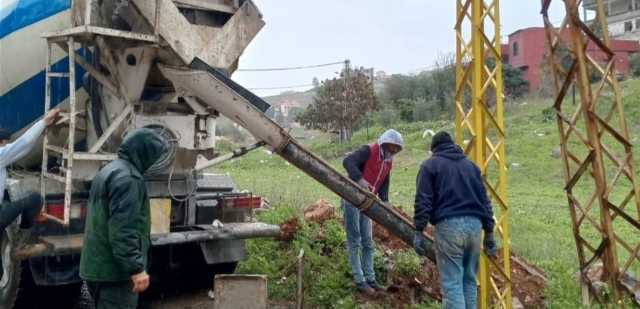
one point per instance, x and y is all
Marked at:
(420, 243)
(140, 282)
(365, 184)
(51, 117)
(490, 247)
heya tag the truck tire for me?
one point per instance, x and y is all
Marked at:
(59, 296)
(11, 271)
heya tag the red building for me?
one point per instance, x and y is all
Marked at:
(527, 50)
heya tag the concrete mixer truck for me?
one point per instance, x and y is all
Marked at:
(36, 73)
(117, 65)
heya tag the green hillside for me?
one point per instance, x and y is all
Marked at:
(540, 223)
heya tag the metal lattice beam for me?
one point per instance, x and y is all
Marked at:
(480, 129)
(597, 157)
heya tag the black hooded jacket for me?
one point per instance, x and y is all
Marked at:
(450, 185)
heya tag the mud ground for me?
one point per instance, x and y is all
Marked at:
(194, 299)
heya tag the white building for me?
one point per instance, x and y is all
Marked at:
(623, 17)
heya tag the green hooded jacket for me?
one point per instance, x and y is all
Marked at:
(118, 224)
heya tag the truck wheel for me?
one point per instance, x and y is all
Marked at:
(59, 296)
(10, 277)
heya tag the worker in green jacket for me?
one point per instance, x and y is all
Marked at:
(117, 232)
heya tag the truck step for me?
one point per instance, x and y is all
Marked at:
(88, 156)
(72, 244)
(52, 246)
(58, 74)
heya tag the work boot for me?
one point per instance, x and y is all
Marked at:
(364, 288)
(374, 284)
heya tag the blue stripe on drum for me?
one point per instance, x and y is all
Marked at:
(28, 12)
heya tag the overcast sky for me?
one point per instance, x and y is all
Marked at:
(396, 36)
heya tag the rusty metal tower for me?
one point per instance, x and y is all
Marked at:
(480, 129)
(597, 154)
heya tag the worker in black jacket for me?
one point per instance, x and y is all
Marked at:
(370, 166)
(451, 196)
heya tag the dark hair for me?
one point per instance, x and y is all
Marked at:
(441, 138)
(4, 134)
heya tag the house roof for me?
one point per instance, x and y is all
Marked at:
(527, 29)
(630, 46)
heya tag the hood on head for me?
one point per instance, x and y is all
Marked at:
(449, 151)
(142, 147)
(391, 136)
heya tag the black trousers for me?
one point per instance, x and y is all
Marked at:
(28, 207)
(113, 295)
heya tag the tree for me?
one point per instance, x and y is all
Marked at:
(340, 103)
(426, 95)
(443, 79)
(515, 85)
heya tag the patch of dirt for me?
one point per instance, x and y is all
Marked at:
(319, 212)
(403, 291)
(528, 282)
(387, 240)
(407, 290)
(288, 229)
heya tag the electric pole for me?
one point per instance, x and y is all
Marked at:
(344, 133)
(373, 95)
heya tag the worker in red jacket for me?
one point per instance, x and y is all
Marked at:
(370, 166)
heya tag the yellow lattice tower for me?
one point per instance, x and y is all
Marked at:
(480, 129)
(597, 155)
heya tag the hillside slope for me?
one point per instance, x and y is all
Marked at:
(539, 221)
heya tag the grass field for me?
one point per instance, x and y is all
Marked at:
(539, 221)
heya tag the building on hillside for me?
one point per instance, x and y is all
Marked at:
(380, 75)
(286, 106)
(527, 50)
(623, 17)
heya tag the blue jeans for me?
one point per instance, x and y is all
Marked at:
(28, 206)
(359, 238)
(457, 242)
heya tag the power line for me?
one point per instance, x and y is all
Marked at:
(291, 68)
(281, 87)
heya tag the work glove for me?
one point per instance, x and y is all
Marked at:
(490, 247)
(365, 184)
(420, 243)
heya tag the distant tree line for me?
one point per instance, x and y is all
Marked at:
(343, 104)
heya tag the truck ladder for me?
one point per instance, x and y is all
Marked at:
(67, 40)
